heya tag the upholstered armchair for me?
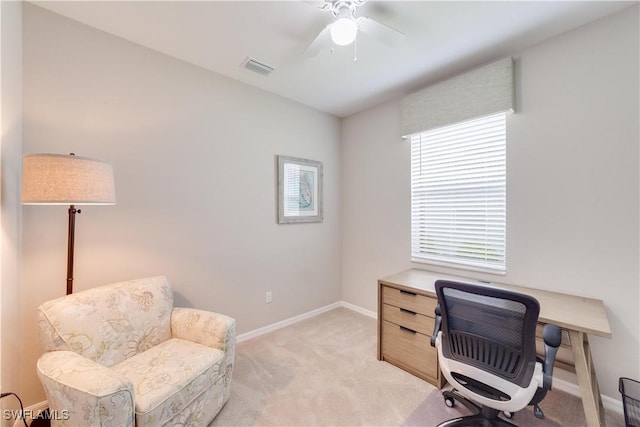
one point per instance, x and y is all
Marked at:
(122, 355)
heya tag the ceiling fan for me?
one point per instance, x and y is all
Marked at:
(344, 29)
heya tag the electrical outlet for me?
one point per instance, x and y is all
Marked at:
(268, 297)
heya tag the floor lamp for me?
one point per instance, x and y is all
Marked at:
(57, 179)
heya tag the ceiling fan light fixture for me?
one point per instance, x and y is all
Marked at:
(343, 31)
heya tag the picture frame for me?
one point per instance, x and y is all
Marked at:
(299, 190)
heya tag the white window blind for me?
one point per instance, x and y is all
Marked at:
(458, 194)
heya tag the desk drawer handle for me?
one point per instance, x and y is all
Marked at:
(413, 294)
(404, 310)
(402, 328)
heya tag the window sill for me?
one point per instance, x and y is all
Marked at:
(465, 267)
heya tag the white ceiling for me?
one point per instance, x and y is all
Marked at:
(442, 37)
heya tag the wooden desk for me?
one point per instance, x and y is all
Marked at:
(579, 317)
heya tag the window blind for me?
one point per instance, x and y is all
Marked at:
(480, 92)
(458, 194)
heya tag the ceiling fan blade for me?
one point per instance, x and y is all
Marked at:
(325, 6)
(322, 40)
(379, 31)
(319, 4)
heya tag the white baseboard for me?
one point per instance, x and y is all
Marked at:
(31, 412)
(290, 321)
(359, 309)
(286, 322)
(609, 403)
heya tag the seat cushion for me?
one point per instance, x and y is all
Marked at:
(168, 377)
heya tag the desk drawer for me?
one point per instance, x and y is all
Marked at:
(410, 301)
(410, 351)
(408, 319)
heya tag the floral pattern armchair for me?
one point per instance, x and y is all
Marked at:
(122, 355)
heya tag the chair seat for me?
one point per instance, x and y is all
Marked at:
(169, 376)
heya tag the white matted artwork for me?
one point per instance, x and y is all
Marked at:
(299, 190)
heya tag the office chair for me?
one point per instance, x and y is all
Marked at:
(486, 341)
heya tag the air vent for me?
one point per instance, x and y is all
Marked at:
(257, 67)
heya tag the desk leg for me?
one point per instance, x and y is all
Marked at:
(589, 390)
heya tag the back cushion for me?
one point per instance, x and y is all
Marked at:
(111, 323)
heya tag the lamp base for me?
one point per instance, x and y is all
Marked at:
(42, 420)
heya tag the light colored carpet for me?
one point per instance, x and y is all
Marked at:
(323, 371)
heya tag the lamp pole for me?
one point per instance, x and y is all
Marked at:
(70, 248)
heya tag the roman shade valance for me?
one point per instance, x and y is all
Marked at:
(480, 92)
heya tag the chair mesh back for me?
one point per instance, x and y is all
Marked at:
(489, 328)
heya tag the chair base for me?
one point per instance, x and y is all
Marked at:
(483, 415)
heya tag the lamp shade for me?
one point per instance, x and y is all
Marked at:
(56, 179)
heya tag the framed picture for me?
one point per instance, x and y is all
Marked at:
(299, 190)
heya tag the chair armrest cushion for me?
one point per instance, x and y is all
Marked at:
(552, 336)
(437, 325)
(84, 392)
(204, 327)
(211, 329)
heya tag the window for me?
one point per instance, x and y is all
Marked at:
(458, 195)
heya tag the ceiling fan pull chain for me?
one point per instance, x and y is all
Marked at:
(355, 50)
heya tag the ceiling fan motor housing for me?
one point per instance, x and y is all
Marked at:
(344, 29)
(344, 9)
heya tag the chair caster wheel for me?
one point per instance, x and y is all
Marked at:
(449, 402)
(538, 412)
(508, 415)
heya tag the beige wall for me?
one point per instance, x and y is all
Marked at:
(572, 185)
(194, 160)
(10, 160)
(193, 154)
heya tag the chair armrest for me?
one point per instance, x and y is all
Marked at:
(437, 325)
(204, 327)
(211, 329)
(85, 393)
(552, 336)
